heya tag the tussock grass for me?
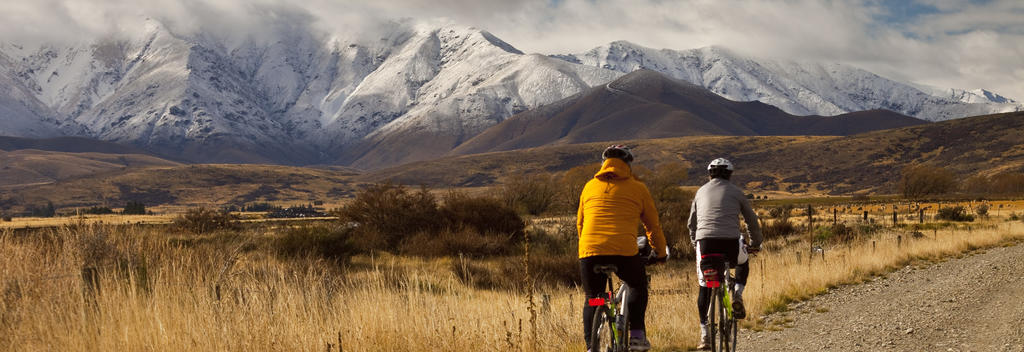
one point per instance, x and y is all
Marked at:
(232, 292)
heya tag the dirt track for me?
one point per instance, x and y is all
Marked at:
(971, 304)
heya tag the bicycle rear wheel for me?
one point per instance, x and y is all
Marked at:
(602, 326)
(713, 310)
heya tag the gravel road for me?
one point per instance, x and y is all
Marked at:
(971, 304)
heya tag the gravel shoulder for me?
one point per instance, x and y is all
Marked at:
(975, 303)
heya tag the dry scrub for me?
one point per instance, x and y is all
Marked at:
(165, 291)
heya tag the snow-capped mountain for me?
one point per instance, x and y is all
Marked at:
(413, 91)
(299, 97)
(799, 88)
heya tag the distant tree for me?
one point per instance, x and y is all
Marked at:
(47, 211)
(923, 180)
(98, 210)
(134, 208)
(573, 181)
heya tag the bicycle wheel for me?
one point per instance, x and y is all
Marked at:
(602, 326)
(726, 325)
(713, 309)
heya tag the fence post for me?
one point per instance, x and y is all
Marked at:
(835, 216)
(865, 216)
(894, 220)
(920, 215)
(798, 259)
(872, 246)
(899, 241)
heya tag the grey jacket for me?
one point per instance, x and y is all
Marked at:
(715, 213)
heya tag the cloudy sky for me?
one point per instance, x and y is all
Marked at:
(946, 43)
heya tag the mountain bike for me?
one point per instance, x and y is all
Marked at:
(611, 317)
(720, 281)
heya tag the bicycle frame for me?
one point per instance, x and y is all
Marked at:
(725, 324)
(616, 311)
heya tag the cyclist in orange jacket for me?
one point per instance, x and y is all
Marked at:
(612, 204)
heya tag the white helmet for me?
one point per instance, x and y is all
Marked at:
(720, 163)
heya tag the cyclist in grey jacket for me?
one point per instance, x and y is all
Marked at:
(715, 229)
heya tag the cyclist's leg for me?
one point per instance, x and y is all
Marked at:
(742, 268)
(633, 272)
(704, 294)
(593, 286)
(725, 247)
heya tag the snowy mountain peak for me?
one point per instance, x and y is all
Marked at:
(800, 88)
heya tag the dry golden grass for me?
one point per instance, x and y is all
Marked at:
(164, 292)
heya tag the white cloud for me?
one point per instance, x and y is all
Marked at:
(966, 44)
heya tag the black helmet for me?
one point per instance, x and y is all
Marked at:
(618, 151)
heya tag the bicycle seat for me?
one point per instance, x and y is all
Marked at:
(605, 268)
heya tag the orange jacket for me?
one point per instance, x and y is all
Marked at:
(612, 204)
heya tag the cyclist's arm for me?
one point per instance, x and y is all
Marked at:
(579, 216)
(752, 224)
(692, 222)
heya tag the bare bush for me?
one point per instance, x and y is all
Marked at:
(389, 217)
(573, 182)
(385, 213)
(923, 180)
(532, 194)
(329, 242)
(485, 215)
(955, 213)
(202, 220)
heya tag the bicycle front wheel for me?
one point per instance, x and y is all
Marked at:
(602, 333)
(726, 325)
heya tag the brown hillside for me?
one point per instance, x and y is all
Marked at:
(30, 166)
(646, 104)
(209, 184)
(830, 164)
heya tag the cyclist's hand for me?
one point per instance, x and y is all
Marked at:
(654, 259)
(752, 251)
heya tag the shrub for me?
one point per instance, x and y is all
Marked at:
(573, 182)
(956, 213)
(561, 240)
(485, 215)
(463, 242)
(384, 213)
(532, 194)
(778, 228)
(835, 233)
(782, 211)
(98, 210)
(7, 218)
(202, 220)
(923, 180)
(134, 208)
(982, 210)
(332, 243)
(1013, 217)
(860, 197)
(388, 217)
(46, 211)
(509, 273)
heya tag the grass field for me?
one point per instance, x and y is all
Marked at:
(154, 289)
